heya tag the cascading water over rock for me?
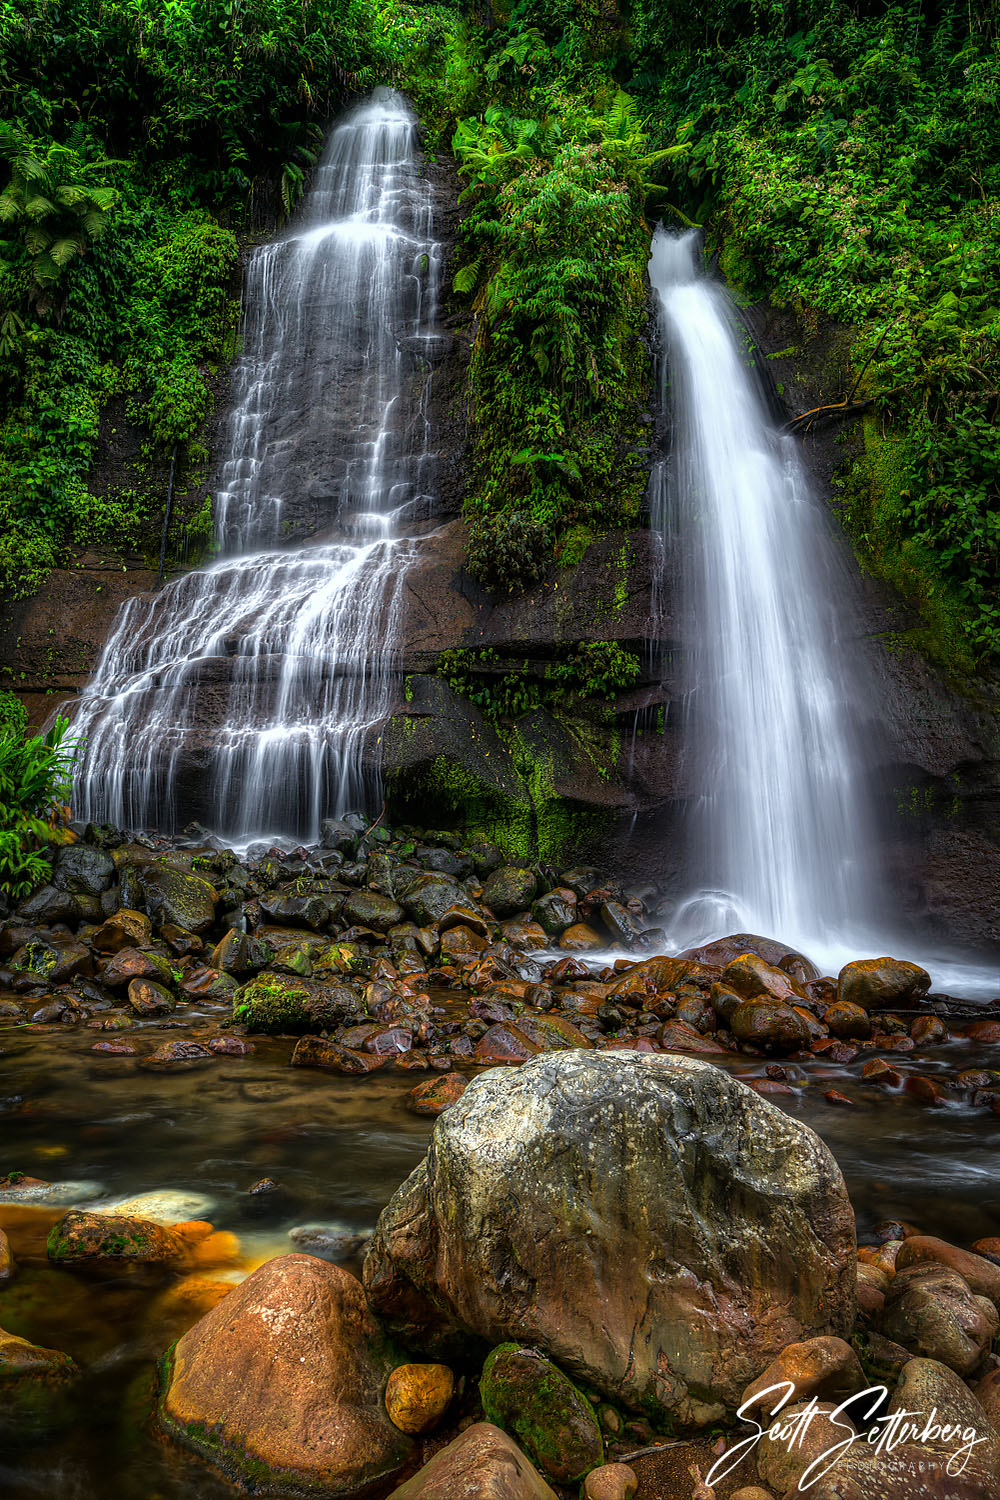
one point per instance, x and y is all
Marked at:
(251, 693)
(780, 829)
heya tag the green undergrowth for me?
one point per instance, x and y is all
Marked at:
(504, 688)
(845, 160)
(556, 167)
(139, 141)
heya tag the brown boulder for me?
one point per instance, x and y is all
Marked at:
(750, 976)
(827, 1368)
(482, 1463)
(764, 1022)
(417, 1396)
(280, 1385)
(880, 983)
(126, 929)
(982, 1275)
(925, 1385)
(654, 1227)
(931, 1311)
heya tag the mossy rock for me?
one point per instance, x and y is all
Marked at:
(173, 896)
(531, 1398)
(283, 1002)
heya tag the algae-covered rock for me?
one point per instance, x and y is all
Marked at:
(877, 983)
(175, 896)
(528, 1396)
(283, 1002)
(280, 1385)
(647, 1221)
(98, 1237)
(34, 1389)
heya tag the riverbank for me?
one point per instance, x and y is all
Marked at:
(264, 1041)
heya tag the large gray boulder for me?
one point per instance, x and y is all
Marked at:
(654, 1226)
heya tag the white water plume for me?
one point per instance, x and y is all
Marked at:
(252, 692)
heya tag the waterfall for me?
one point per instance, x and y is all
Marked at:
(251, 693)
(780, 825)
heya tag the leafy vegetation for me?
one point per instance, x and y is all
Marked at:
(35, 783)
(505, 690)
(845, 159)
(137, 139)
(556, 164)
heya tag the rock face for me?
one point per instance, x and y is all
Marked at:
(281, 1385)
(656, 1228)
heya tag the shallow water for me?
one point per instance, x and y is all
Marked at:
(338, 1147)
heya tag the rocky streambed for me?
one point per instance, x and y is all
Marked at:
(217, 1070)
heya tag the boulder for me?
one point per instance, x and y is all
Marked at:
(83, 870)
(428, 896)
(764, 1022)
(125, 929)
(827, 1368)
(174, 896)
(93, 1238)
(369, 909)
(417, 1396)
(530, 1397)
(280, 1002)
(482, 1463)
(34, 1390)
(509, 890)
(281, 1385)
(646, 1221)
(925, 1385)
(147, 998)
(931, 1311)
(880, 983)
(982, 1276)
(801, 1436)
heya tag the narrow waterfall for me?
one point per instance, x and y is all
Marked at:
(250, 694)
(780, 826)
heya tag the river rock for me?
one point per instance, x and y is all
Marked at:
(174, 896)
(133, 963)
(34, 1386)
(369, 909)
(982, 1276)
(280, 1002)
(435, 1095)
(530, 1397)
(827, 1368)
(509, 890)
(615, 1209)
(147, 998)
(125, 929)
(53, 959)
(428, 896)
(280, 1385)
(580, 938)
(94, 1238)
(764, 1022)
(931, 1311)
(83, 870)
(555, 911)
(417, 1396)
(799, 1437)
(926, 1384)
(482, 1463)
(880, 983)
(610, 1482)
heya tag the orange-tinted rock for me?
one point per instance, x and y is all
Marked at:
(765, 1022)
(926, 1031)
(147, 998)
(988, 1248)
(281, 1383)
(750, 977)
(883, 1073)
(611, 1482)
(482, 1463)
(131, 963)
(505, 1043)
(581, 939)
(831, 1050)
(417, 1396)
(6, 1259)
(981, 1274)
(872, 1286)
(231, 1046)
(678, 1036)
(826, 1368)
(317, 1052)
(126, 929)
(436, 1094)
(927, 1090)
(627, 1044)
(834, 1096)
(552, 1033)
(880, 983)
(983, 1031)
(888, 1042)
(848, 1022)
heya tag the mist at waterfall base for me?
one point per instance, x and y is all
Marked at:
(783, 831)
(252, 692)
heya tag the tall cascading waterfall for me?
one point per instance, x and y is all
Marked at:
(780, 828)
(252, 692)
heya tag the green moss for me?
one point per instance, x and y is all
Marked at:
(270, 1002)
(876, 504)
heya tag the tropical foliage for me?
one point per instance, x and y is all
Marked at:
(35, 783)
